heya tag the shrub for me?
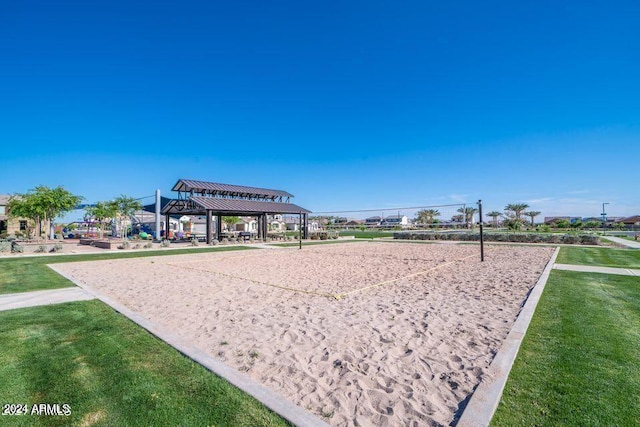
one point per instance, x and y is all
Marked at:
(57, 248)
(16, 248)
(194, 242)
(41, 249)
(588, 239)
(148, 245)
(5, 246)
(214, 242)
(570, 239)
(165, 243)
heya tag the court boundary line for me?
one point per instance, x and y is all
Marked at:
(336, 296)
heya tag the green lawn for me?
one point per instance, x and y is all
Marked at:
(111, 373)
(605, 257)
(24, 274)
(578, 364)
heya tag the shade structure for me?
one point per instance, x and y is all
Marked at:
(215, 199)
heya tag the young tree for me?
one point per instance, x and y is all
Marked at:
(561, 223)
(495, 215)
(43, 204)
(125, 207)
(102, 212)
(231, 221)
(532, 215)
(592, 224)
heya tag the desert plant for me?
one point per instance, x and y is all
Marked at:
(165, 243)
(5, 246)
(148, 245)
(57, 248)
(194, 242)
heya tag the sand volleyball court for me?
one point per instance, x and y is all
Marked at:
(361, 333)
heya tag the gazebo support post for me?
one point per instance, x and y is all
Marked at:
(166, 227)
(218, 226)
(300, 231)
(264, 226)
(208, 227)
(305, 230)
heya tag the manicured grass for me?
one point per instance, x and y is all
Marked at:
(24, 274)
(367, 234)
(578, 364)
(605, 257)
(111, 373)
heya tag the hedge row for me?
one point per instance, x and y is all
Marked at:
(572, 239)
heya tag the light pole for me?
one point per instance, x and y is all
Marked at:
(604, 219)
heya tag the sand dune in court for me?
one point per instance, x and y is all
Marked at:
(404, 353)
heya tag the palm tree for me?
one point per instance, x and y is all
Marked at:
(495, 215)
(426, 216)
(532, 215)
(457, 218)
(514, 210)
(468, 213)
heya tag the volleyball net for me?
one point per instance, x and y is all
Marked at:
(429, 217)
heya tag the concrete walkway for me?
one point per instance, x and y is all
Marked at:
(634, 244)
(36, 298)
(595, 269)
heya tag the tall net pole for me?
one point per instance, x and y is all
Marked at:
(481, 231)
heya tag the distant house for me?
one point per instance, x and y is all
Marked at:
(9, 225)
(354, 223)
(293, 224)
(395, 220)
(247, 223)
(630, 220)
(373, 221)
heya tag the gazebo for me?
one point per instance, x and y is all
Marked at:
(214, 199)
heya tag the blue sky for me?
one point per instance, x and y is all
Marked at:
(347, 105)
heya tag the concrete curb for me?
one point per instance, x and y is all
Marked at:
(47, 297)
(278, 404)
(485, 399)
(596, 269)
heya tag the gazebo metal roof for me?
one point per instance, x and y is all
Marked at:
(227, 190)
(197, 205)
(199, 197)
